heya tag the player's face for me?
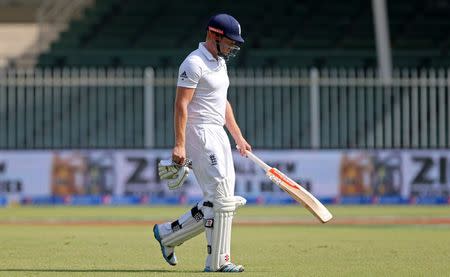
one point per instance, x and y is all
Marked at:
(229, 47)
(226, 45)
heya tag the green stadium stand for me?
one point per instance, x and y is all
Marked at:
(293, 33)
(290, 33)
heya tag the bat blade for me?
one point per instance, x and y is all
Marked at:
(300, 194)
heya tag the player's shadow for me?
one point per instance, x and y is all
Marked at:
(96, 270)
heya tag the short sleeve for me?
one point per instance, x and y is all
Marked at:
(189, 74)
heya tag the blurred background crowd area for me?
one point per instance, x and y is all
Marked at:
(288, 33)
(102, 73)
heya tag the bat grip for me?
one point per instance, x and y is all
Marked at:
(256, 160)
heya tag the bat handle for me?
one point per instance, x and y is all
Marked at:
(256, 160)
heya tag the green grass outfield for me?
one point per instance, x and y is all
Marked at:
(117, 241)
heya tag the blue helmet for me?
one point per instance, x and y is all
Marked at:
(227, 26)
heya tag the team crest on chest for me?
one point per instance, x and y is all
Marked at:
(213, 159)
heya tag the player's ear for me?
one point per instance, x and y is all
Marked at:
(215, 36)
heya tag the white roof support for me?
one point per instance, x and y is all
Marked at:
(383, 43)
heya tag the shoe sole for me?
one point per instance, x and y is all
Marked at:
(158, 238)
(207, 269)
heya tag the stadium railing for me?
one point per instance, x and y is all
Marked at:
(276, 108)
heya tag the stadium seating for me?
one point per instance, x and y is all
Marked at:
(291, 33)
(288, 33)
(302, 33)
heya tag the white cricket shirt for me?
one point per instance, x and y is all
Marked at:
(200, 70)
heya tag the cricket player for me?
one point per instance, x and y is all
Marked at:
(201, 144)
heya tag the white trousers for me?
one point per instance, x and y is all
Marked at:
(208, 146)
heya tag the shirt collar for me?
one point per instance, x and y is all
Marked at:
(205, 52)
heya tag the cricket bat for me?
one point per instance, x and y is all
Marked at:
(296, 191)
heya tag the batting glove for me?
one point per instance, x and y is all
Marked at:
(175, 173)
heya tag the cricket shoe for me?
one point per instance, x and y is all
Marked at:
(227, 268)
(167, 252)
